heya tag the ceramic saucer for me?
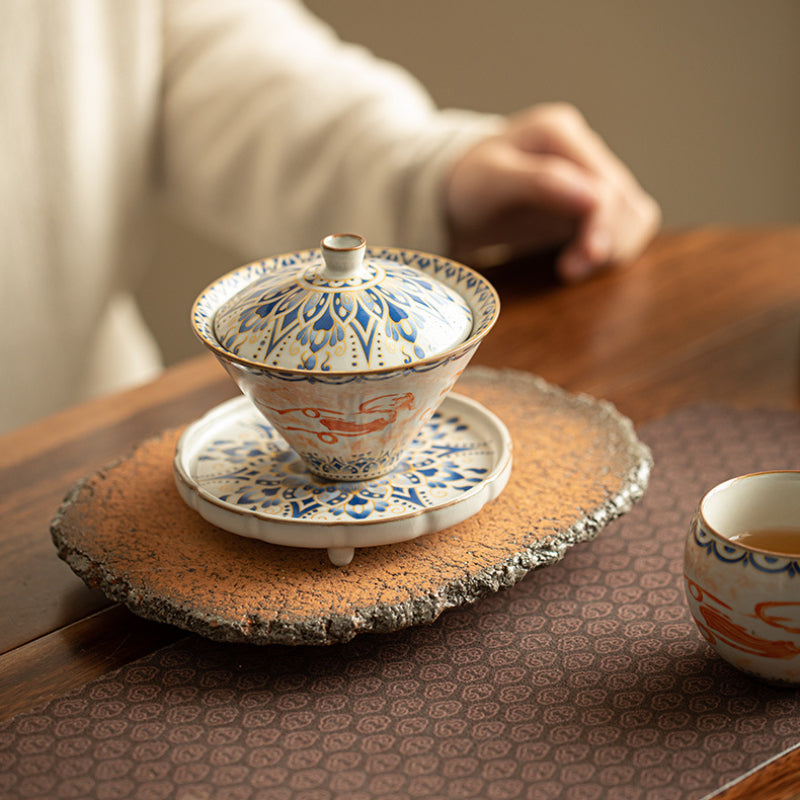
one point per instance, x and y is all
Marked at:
(237, 472)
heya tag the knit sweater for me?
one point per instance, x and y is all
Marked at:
(249, 118)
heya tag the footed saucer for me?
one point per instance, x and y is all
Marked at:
(238, 473)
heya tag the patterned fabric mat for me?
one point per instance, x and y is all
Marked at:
(586, 681)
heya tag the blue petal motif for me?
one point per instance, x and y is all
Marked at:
(743, 558)
(263, 475)
(294, 312)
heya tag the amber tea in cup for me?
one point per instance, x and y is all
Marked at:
(781, 541)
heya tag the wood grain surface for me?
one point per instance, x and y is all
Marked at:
(705, 315)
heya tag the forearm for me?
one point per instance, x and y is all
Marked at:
(276, 133)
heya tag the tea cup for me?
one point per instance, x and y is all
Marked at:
(742, 573)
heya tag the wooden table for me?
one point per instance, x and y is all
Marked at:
(706, 315)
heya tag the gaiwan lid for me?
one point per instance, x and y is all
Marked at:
(343, 314)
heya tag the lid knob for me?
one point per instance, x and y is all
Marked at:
(344, 256)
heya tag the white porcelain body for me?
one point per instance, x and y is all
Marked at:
(351, 425)
(745, 601)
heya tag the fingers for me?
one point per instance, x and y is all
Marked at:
(610, 221)
(497, 194)
(495, 177)
(561, 130)
(624, 217)
(549, 179)
(585, 255)
(549, 183)
(616, 232)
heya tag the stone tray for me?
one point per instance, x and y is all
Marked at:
(125, 530)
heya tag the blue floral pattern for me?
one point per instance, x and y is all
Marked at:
(304, 328)
(295, 318)
(252, 469)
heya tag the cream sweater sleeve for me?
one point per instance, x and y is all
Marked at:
(276, 133)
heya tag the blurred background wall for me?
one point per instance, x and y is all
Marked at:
(699, 97)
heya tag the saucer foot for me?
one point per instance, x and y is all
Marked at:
(341, 556)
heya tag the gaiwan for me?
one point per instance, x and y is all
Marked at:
(347, 351)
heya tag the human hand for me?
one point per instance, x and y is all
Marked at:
(549, 180)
